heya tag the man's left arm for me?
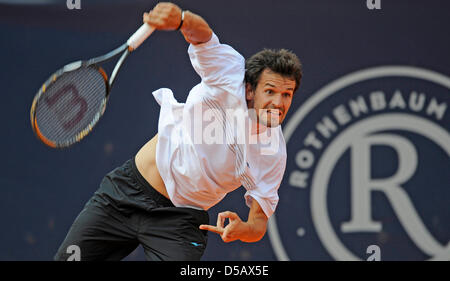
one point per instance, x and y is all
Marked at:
(251, 231)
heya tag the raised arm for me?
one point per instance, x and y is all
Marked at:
(168, 16)
(218, 65)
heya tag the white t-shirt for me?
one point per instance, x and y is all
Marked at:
(203, 152)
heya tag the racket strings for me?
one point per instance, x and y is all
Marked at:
(71, 105)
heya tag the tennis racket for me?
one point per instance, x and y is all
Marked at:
(70, 103)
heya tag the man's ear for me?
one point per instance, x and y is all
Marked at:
(249, 92)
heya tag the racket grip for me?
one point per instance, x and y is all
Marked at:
(139, 36)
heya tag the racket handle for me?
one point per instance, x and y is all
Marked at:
(139, 36)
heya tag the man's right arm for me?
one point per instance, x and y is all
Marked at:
(218, 65)
(168, 16)
(195, 29)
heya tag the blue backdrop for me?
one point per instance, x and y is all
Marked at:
(367, 133)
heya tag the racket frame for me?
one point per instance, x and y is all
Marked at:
(132, 44)
(72, 67)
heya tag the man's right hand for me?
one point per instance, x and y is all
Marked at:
(164, 16)
(167, 16)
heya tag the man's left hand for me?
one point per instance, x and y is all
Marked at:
(234, 230)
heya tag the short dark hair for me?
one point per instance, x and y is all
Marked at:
(282, 61)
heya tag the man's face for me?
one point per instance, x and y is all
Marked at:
(272, 97)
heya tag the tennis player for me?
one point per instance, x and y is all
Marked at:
(160, 197)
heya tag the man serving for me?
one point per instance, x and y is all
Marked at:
(160, 197)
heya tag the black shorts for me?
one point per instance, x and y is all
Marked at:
(125, 212)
